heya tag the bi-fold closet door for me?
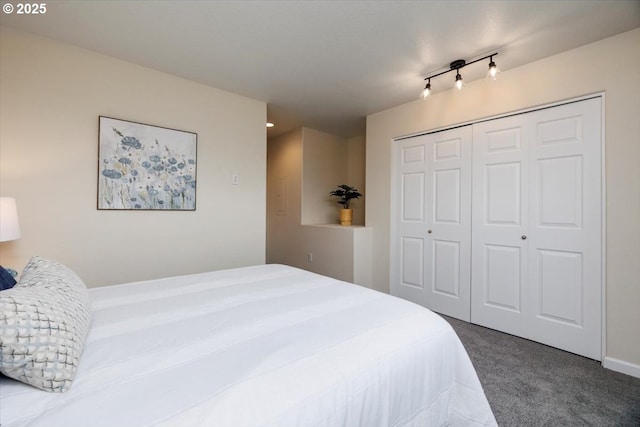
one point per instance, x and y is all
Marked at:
(526, 204)
(433, 221)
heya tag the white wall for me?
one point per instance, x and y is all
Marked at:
(51, 95)
(611, 65)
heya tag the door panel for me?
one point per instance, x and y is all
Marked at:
(412, 256)
(447, 196)
(409, 253)
(500, 199)
(503, 138)
(434, 198)
(413, 155)
(450, 214)
(503, 193)
(559, 192)
(446, 268)
(447, 149)
(560, 287)
(561, 130)
(411, 196)
(565, 254)
(502, 277)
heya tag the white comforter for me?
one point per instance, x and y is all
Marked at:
(259, 346)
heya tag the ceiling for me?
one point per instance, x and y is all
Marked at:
(327, 64)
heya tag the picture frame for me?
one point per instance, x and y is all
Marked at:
(145, 167)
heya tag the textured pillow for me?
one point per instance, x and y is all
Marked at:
(44, 320)
(6, 279)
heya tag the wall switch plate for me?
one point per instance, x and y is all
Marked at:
(309, 257)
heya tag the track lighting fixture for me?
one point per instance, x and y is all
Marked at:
(456, 66)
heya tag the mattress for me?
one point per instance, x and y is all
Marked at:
(268, 345)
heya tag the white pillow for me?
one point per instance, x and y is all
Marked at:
(44, 320)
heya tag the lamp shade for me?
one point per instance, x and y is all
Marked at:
(9, 225)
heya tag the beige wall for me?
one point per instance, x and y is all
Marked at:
(329, 161)
(302, 167)
(51, 95)
(356, 149)
(611, 65)
(324, 167)
(284, 199)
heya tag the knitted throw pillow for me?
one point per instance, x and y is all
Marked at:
(44, 320)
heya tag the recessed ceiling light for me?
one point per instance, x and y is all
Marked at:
(270, 125)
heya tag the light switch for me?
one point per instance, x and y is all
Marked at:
(235, 179)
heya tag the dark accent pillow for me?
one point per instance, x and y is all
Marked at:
(6, 279)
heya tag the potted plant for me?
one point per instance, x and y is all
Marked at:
(345, 194)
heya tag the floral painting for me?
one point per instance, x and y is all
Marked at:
(145, 167)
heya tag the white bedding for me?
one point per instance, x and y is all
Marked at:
(258, 346)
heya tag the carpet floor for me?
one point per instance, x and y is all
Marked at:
(531, 384)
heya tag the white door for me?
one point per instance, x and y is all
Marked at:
(500, 220)
(433, 221)
(565, 255)
(537, 226)
(410, 214)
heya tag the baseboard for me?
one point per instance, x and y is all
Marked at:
(621, 366)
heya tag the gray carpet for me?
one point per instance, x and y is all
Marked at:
(531, 384)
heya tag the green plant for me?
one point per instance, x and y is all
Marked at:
(346, 194)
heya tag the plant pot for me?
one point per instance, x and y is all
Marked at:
(345, 216)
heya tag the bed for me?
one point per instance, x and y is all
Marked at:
(267, 345)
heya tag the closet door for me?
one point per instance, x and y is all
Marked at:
(500, 221)
(565, 256)
(410, 220)
(433, 228)
(536, 236)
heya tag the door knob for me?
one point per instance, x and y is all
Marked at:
(524, 237)
(430, 231)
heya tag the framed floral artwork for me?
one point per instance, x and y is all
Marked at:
(145, 167)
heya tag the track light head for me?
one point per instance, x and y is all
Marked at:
(493, 69)
(427, 90)
(459, 82)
